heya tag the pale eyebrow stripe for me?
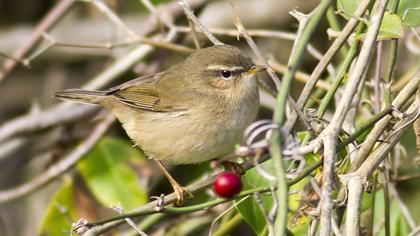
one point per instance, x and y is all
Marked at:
(222, 67)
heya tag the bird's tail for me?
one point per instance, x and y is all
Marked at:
(82, 96)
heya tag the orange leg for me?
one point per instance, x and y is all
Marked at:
(233, 167)
(178, 189)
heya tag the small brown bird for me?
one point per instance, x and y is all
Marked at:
(195, 111)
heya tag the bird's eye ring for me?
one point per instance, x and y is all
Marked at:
(226, 75)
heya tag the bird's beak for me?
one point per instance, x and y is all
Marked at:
(257, 68)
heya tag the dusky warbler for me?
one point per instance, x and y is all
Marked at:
(195, 111)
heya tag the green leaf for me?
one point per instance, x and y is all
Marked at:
(366, 201)
(253, 215)
(409, 11)
(60, 212)
(348, 6)
(249, 209)
(391, 28)
(108, 175)
(301, 227)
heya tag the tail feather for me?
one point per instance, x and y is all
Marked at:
(81, 95)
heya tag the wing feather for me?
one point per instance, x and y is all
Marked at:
(142, 93)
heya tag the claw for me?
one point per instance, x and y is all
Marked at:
(178, 189)
(234, 167)
(181, 192)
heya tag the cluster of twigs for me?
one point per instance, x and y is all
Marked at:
(390, 122)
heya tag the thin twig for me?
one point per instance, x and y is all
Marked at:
(300, 76)
(279, 113)
(371, 211)
(188, 12)
(60, 113)
(355, 190)
(61, 167)
(377, 81)
(282, 189)
(274, 34)
(334, 23)
(393, 7)
(51, 117)
(415, 232)
(233, 206)
(332, 50)
(340, 74)
(403, 207)
(387, 205)
(149, 5)
(266, 214)
(407, 177)
(253, 32)
(228, 226)
(149, 208)
(119, 209)
(355, 179)
(400, 127)
(330, 134)
(194, 34)
(46, 23)
(381, 125)
(242, 31)
(137, 40)
(23, 62)
(261, 58)
(328, 171)
(10, 146)
(102, 7)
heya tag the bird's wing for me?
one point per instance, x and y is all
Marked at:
(142, 93)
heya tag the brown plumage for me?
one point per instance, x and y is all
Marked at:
(194, 111)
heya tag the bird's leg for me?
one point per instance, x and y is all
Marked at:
(178, 189)
(233, 167)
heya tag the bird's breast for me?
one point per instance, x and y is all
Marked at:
(203, 132)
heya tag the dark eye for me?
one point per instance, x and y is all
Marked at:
(225, 74)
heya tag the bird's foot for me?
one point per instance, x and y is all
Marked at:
(181, 192)
(233, 167)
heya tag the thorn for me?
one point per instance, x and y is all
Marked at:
(118, 208)
(80, 227)
(397, 113)
(160, 204)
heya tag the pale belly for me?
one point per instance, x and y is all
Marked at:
(179, 138)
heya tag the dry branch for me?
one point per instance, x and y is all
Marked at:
(48, 22)
(330, 134)
(61, 167)
(326, 59)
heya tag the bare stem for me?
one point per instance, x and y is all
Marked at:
(387, 206)
(332, 50)
(48, 22)
(330, 134)
(393, 6)
(61, 167)
(194, 19)
(356, 179)
(355, 190)
(377, 82)
(379, 128)
(279, 113)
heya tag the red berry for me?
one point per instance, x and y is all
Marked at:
(227, 184)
